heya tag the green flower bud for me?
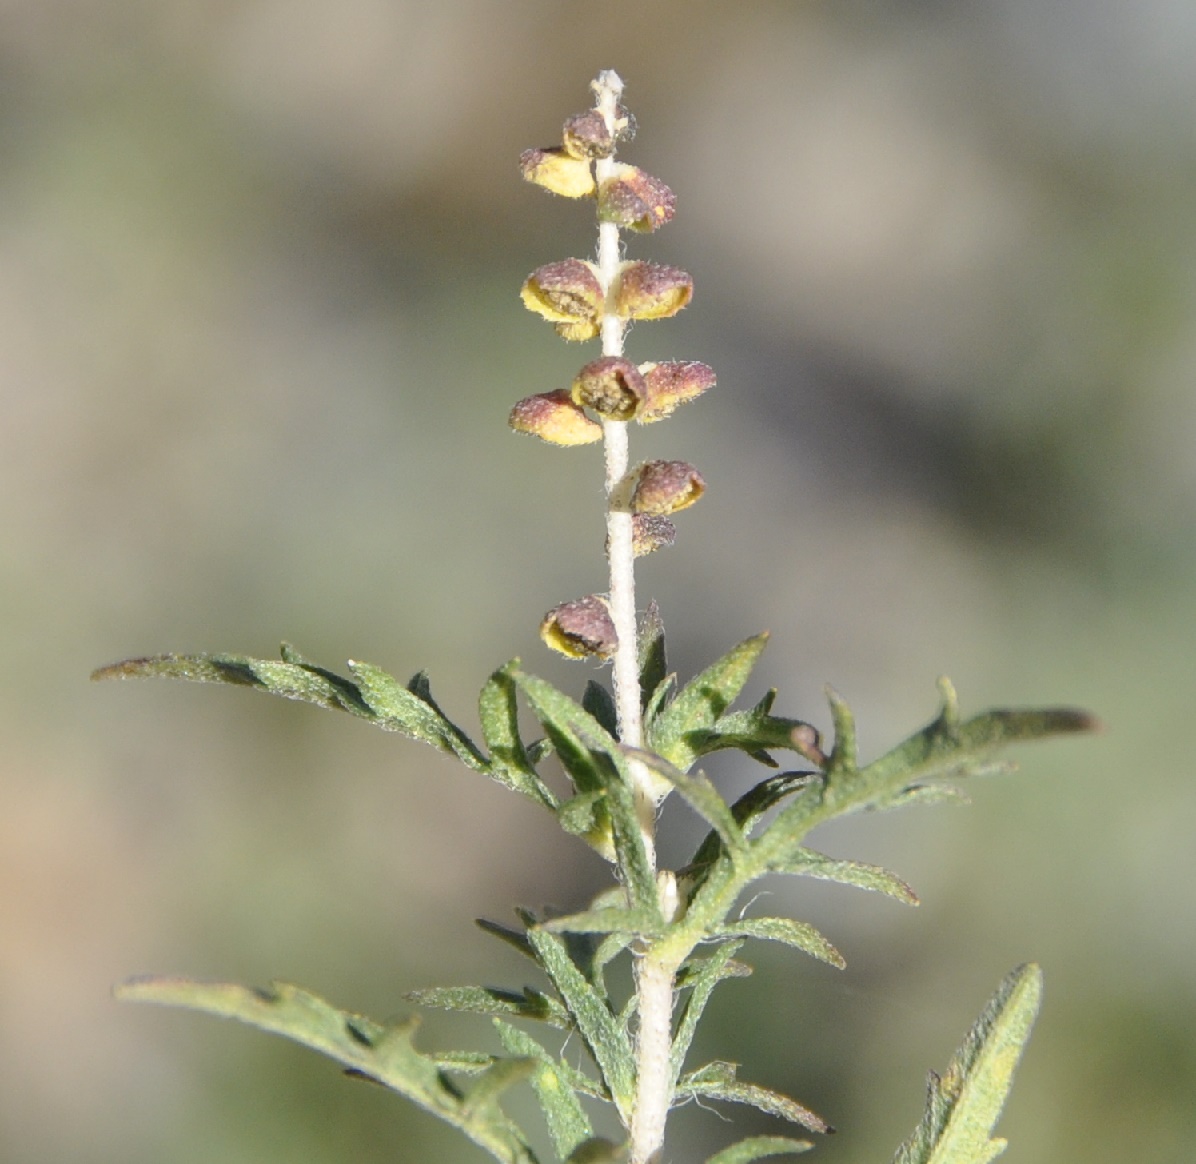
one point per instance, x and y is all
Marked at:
(558, 172)
(587, 136)
(553, 417)
(670, 384)
(611, 386)
(569, 295)
(581, 629)
(651, 291)
(664, 487)
(634, 199)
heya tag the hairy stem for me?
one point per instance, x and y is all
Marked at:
(654, 979)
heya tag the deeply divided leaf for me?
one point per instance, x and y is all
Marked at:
(383, 1053)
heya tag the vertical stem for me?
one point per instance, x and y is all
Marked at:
(654, 978)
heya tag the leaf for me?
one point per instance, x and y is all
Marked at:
(489, 1000)
(653, 665)
(677, 732)
(755, 731)
(701, 977)
(606, 1040)
(608, 920)
(963, 1106)
(385, 1054)
(510, 762)
(596, 762)
(717, 1081)
(757, 1147)
(567, 1121)
(792, 933)
(600, 703)
(807, 863)
(371, 694)
(945, 749)
(697, 791)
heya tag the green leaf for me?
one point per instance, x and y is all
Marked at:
(567, 1121)
(489, 1000)
(807, 863)
(792, 933)
(963, 1106)
(755, 732)
(717, 1081)
(598, 1151)
(385, 1054)
(608, 920)
(600, 703)
(758, 1147)
(697, 791)
(653, 666)
(701, 976)
(944, 749)
(606, 1040)
(510, 763)
(596, 762)
(413, 712)
(679, 730)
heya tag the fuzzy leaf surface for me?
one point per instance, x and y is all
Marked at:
(717, 1081)
(567, 1121)
(605, 1037)
(800, 935)
(489, 1000)
(681, 728)
(385, 1054)
(963, 1106)
(701, 978)
(759, 1147)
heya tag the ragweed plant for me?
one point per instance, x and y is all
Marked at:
(625, 750)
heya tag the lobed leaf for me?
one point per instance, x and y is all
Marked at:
(489, 1000)
(757, 1148)
(510, 762)
(963, 1106)
(678, 731)
(383, 1053)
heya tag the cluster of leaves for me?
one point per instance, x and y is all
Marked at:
(763, 832)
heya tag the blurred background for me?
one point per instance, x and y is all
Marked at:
(259, 335)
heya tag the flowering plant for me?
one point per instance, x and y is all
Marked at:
(625, 750)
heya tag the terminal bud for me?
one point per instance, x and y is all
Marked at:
(636, 200)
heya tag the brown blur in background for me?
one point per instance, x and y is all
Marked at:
(259, 334)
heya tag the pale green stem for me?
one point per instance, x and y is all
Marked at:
(654, 978)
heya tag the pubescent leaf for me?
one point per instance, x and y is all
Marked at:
(757, 1148)
(717, 1081)
(681, 727)
(783, 929)
(385, 1054)
(489, 1000)
(567, 1121)
(963, 1106)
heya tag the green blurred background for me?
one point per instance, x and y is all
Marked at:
(259, 334)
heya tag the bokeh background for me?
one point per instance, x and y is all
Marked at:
(259, 334)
